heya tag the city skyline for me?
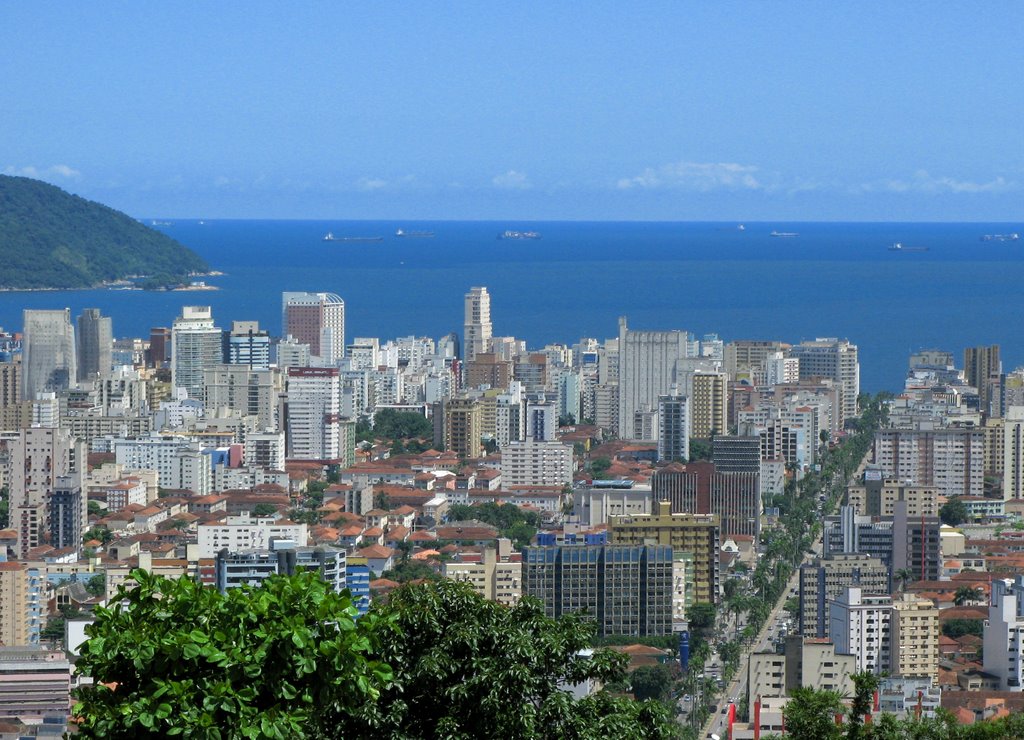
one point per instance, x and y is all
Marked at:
(659, 112)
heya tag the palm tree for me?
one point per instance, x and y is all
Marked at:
(904, 576)
(965, 594)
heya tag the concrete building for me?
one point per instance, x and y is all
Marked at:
(486, 370)
(594, 506)
(673, 428)
(244, 390)
(541, 421)
(736, 454)
(915, 637)
(529, 463)
(248, 345)
(68, 513)
(313, 414)
(317, 320)
(826, 580)
(982, 368)
(179, 461)
(251, 568)
(463, 427)
(745, 359)
(861, 625)
(265, 450)
(697, 534)
(49, 360)
(709, 406)
(700, 488)
(95, 344)
(1003, 636)
(195, 346)
(836, 359)
(35, 683)
(804, 662)
(627, 589)
(879, 497)
(950, 459)
(477, 330)
(14, 603)
(649, 364)
(494, 577)
(781, 369)
(246, 533)
(1012, 467)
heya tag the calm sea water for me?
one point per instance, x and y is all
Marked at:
(833, 279)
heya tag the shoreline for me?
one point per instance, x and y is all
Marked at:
(127, 283)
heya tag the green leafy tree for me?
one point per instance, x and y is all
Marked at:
(864, 686)
(95, 509)
(811, 714)
(702, 617)
(4, 508)
(97, 584)
(965, 594)
(394, 424)
(466, 667)
(953, 512)
(652, 682)
(959, 627)
(262, 510)
(171, 658)
(600, 464)
(700, 449)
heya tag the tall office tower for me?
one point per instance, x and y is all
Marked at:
(698, 488)
(316, 319)
(674, 428)
(48, 360)
(40, 459)
(69, 515)
(463, 427)
(248, 345)
(314, 397)
(250, 392)
(627, 588)
(476, 337)
(10, 384)
(159, 352)
(736, 454)
(195, 346)
(697, 534)
(982, 367)
(709, 405)
(649, 365)
(836, 359)
(95, 344)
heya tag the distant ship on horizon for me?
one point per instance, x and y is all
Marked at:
(1000, 237)
(519, 235)
(417, 234)
(784, 234)
(898, 247)
(330, 237)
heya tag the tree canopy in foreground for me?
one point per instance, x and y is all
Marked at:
(289, 659)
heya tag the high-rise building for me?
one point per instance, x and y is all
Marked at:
(159, 352)
(251, 568)
(486, 370)
(803, 662)
(14, 603)
(745, 359)
(314, 421)
(195, 346)
(463, 427)
(10, 384)
(649, 364)
(950, 459)
(836, 359)
(700, 488)
(495, 576)
(860, 625)
(541, 421)
(709, 405)
(531, 463)
(673, 428)
(95, 344)
(1003, 634)
(826, 579)
(49, 362)
(316, 319)
(915, 637)
(627, 588)
(68, 514)
(248, 345)
(736, 454)
(697, 534)
(879, 498)
(477, 331)
(1013, 453)
(248, 391)
(982, 368)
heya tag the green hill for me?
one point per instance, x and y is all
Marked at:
(52, 239)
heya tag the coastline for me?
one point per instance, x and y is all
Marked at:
(125, 283)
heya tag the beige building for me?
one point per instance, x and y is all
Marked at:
(1012, 467)
(709, 405)
(530, 463)
(805, 662)
(745, 359)
(463, 427)
(879, 498)
(14, 606)
(699, 534)
(915, 637)
(494, 578)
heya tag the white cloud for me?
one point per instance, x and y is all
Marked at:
(701, 176)
(923, 182)
(512, 180)
(369, 184)
(54, 172)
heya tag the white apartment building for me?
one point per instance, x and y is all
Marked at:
(247, 391)
(1013, 453)
(245, 533)
(196, 344)
(648, 366)
(477, 332)
(832, 358)
(781, 369)
(178, 461)
(265, 450)
(247, 478)
(318, 320)
(529, 463)
(951, 459)
(861, 625)
(1003, 636)
(314, 417)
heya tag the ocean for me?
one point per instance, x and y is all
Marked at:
(832, 279)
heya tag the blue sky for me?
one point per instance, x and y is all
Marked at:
(675, 111)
